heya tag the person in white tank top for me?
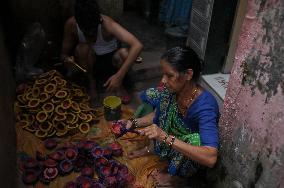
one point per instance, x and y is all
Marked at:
(91, 40)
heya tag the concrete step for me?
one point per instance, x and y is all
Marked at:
(148, 69)
(145, 84)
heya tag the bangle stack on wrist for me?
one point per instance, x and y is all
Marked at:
(171, 142)
(134, 123)
(173, 138)
(165, 138)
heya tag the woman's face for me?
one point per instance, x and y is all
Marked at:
(172, 79)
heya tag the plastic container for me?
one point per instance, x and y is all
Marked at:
(112, 108)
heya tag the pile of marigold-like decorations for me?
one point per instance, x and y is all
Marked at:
(95, 164)
(51, 106)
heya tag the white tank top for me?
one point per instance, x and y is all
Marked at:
(100, 47)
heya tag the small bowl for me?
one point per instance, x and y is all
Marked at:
(97, 185)
(30, 177)
(84, 182)
(70, 184)
(50, 173)
(89, 145)
(65, 167)
(101, 161)
(122, 170)
(105, 171)
(97, 152)
(107, 152)
(116, 149)
(57, 155)
(30, 163)
(50, 143)
(118, 129)
(110, 181)
(78, 164)
(50, 163)
(87, 172)
(71, 154)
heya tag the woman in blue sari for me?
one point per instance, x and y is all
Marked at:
(183, 126)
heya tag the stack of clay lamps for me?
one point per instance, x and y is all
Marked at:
(51, 106)
(96, 165)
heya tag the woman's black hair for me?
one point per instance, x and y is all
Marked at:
(87, 15)
(182, 59)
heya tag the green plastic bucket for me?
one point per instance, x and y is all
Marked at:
(112, 108)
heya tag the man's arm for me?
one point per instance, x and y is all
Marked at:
(123, 35)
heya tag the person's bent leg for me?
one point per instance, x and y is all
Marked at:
(119, 57)
(85, 57)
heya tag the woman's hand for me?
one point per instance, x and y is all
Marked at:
(153, 132)
(127, 123)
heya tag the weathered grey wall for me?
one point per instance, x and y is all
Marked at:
(252, 122)
(7, 131)
(51, 14)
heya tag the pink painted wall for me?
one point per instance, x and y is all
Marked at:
(252, 120)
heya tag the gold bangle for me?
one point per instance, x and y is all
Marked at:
(165, 139)
(172, 141)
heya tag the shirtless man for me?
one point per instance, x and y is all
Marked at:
(91, 41)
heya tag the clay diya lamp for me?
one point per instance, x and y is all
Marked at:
(116, 149)
(50, 173)
(84, 182)
(71, 154)
(50, 163)
(107, 152)
(87, 172)
(129, 179)
(97, 152)
(122, 170)
(110, 181)
(105, 171)
(114, 169)
(101, 161)
(70, 184)
(80, 144)
(30, 176)
(57, 155)
(78, 164)
(65, 167)
(67, 145)
(50, 143)
(118, 129)
(97, 185)
(40, 156)
(89, 145)
(30, 163)
(126, 180)
(113, 163)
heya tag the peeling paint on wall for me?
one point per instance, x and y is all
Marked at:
(264, 68)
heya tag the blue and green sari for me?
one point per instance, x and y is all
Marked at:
(204, 110)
